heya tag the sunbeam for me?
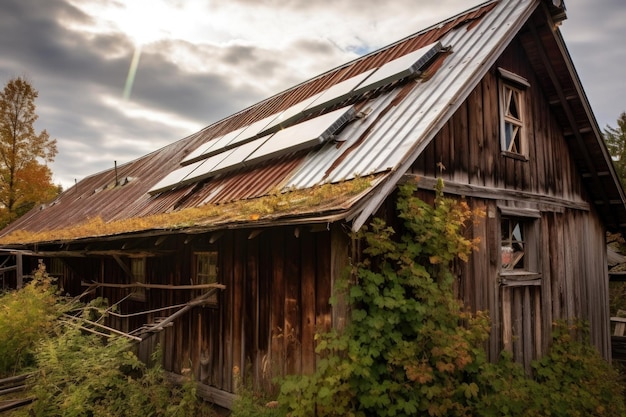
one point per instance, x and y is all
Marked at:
(132, 71)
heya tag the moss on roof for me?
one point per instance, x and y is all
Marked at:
(277, 204)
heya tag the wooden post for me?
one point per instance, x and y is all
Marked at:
(18, 272)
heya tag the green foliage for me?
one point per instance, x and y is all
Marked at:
(406, 350)
(251, 403)
(80, 374)
(571, 380)
(83, 375)
(411, 349)
(579, 381)
(615, 139)
(26, 316)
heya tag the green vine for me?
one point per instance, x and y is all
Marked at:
(411, 348)
(406, 350)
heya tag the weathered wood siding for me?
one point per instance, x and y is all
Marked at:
(278, 287)
(571, 249)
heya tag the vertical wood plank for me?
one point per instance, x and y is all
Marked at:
(324, 282)
(293, 320)
(266, 310)
(308, 301)
(228, 312)
(340, 247)
(517, 316)
(507, 325)
(251, 320)
(238, 311)
(277, 364)
(527, 334)
(538, 322)
(546, 281)
(476, 154)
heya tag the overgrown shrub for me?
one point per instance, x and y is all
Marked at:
(75, 373)
(406, 351)
(571, 380)
(26, 315)
(411, 349)
(81, 375)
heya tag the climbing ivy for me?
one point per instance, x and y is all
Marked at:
(410, 348)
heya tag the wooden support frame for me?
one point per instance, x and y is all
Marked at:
(155, 286)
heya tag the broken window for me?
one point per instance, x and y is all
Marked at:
(513, 245)
(520, 243)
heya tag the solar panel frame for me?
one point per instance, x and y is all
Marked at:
(338, 92)
(402, 67)
(302, 136)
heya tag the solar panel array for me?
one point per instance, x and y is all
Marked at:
(281, 134)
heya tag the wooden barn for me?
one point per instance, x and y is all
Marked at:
(225, 246)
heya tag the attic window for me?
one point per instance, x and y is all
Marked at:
(513, 119)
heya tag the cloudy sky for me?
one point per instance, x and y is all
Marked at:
(120, 78)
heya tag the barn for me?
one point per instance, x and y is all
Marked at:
(225, 246)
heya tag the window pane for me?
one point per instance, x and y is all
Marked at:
(206, 268)
(138, 269)
(511, 112)
(513, 244)
(513, 105)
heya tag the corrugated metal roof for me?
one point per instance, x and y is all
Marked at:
(396, 123)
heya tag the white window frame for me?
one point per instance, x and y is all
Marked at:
(512, 89)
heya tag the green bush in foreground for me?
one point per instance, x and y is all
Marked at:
(26, 316)
(83, 375)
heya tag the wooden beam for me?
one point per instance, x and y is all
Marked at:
(13, 404)
(76, 320)
(124, 267)
(198, 301)
(489, 193)
(19, 272)
(210, 394)
(154, 286)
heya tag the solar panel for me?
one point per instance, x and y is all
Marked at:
(212, 147)
(405, 66)
(291, 115)
(303, 135)
(338, 92)
(225, 161)
(198, 153)
(251, 131)
(173, 179)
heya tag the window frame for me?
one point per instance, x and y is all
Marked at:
(510, 86)
(206, 277)
(139, 293)
(530, 273)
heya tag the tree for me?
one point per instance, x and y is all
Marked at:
(25, 179)
(615, 139)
